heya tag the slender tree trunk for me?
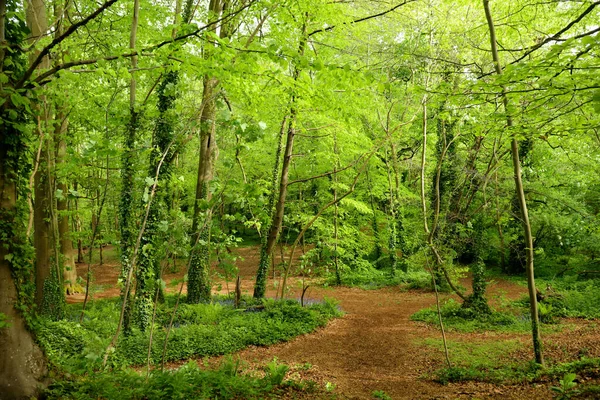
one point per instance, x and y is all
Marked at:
(60, 132)
(338, 274)
(263, 266)
(127, 178)
(514, 146)
(277, 218)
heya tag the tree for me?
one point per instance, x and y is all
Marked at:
(514, 148)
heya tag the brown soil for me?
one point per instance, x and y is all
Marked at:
(376, 347)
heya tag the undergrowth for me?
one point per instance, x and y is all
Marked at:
(198, 331)
(187, 382)
(461, 319)
(568, 297)
(497, 362)
(370, 278)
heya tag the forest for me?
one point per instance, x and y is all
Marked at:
(299, 199)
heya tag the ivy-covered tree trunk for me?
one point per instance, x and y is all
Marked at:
(148, 266)
(22, 364)
(199, 286)
(265, 257)
(127, 178)
(267, 245)
(49, 293)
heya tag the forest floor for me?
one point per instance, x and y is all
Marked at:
(376, 347)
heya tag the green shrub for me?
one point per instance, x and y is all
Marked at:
(368, 277)
(198, 330)
(188, 382)
(464, 319)
(276, 372)
(567, 297)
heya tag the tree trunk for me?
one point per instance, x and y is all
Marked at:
(22, 364)
(64, 231)
(60, 131)
(199, 286)
(277, 218)
(49, 295)
(535, 330)
(127, 177)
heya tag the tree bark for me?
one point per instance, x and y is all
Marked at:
(49, 295)
(60, 131)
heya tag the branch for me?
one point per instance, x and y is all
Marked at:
(42, 79)
(329, 28)
(326, 173)
(197, 31)
(557, 35)
(56, 41)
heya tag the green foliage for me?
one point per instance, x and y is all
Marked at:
(364, 275)
(53, 302)
(477, 301)
(567, 297)
(463, 319)
(566, 390)
(380, 394)
(187, 382)
(199, 330)
(4, 321)
(276, 372)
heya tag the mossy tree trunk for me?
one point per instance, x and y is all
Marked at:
(22, 364)
(48, 276)
(199, 286)
(61, 125)
(127, 177)
(270, 240)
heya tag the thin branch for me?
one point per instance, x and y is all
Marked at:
(329, 28)
(326, 173)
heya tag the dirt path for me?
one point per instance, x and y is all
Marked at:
(376, 347)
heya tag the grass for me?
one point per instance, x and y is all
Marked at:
(480, 360)
(496, 362)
